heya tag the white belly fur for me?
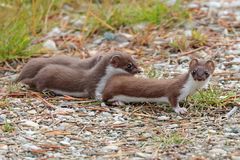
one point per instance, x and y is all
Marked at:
(129, 99)
(74, 94)
(190, 87)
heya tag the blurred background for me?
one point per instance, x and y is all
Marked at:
(28, 25)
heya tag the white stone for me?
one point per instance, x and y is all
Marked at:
(188, 33)
(54, 32)
(30, 146)
(218, 151)
(235, 157)
(33, 111)
(65, 143)
(144, 155)
(214, 4)
(87, 133)
(91, 113)
(236, 60)
(50, 44)
(212, 131)
(110, 148)
(124, 44)
(163, 118)
(3, 147)
(192, 6)
(30, 133)
(172, 126)
(171, 2)
(230, 135)
(30, 123)
(63, 111)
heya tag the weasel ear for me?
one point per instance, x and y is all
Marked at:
(99, 58)
(133, 57)
(193, 63)
(210, 65)
(115, 60)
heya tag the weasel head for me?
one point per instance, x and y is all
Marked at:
(201, 70)
(125, 62)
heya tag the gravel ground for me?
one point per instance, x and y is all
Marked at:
(36, 126)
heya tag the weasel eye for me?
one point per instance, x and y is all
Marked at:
(206, 73)
(194, 72)
(129, 65)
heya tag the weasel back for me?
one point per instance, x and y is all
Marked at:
(36, 64)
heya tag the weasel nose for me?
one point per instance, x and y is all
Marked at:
(139, 70)
(200, 79)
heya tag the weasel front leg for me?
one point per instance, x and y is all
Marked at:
(180, 110)
(115, 103)
(98, 96)
(175, 104)
(118, 103)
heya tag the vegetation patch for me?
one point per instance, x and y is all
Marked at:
(212, 98)
(7, 127)
(183, 43)
(170, 139)
(111, 16)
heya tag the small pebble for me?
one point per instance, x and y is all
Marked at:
(110, 148)
(29, 146)
(163, 118)
(218, 151)
(50, 44)
(30, 123)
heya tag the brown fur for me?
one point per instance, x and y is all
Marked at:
(36, 64)
(128, 85)
(78, 80)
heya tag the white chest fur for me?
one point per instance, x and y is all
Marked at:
(191, 86)
(110, 71)
(128, 99)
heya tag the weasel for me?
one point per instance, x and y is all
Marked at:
(36, 64)
(79, 82)
(127, 88)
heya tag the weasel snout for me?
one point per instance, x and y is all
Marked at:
(200, 74)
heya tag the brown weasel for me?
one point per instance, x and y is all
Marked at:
(79, 82)
(127, 88)
(34, 65)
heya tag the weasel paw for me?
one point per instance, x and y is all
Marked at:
(118, 103)
(180, 110)
(98, 97)
(104, 104)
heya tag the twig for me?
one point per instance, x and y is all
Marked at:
(225, 73)
(43, 100)
(192, 51)
(144, 115)
(102, 21)
(220, 40)
(231, 63)
(232, 79)
(46, 17)
(101, 109)
(69, 98)
(7, 69)
(217, 45)
(9, 66)
(230, 113)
